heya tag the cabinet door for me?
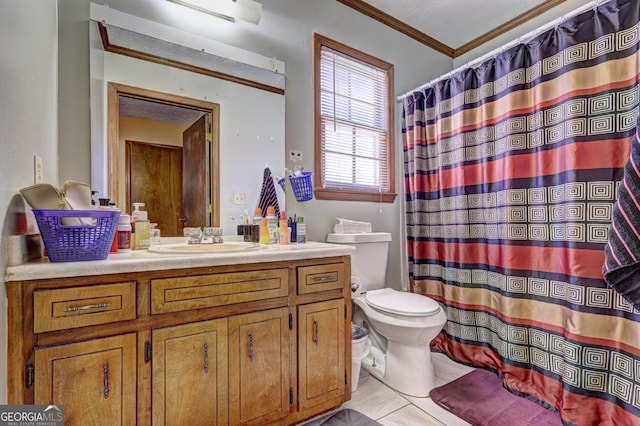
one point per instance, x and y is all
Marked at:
(259, 367)
(189, 374)
(321, 352)
(95, 380)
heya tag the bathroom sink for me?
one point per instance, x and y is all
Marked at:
(184, 248)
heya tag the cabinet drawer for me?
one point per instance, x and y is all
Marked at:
(316, 278)
(63, 308)
(203, 291)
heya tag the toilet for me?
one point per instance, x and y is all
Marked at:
(401, 325)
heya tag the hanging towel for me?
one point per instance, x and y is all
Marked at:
(621, 269)
(268, 195)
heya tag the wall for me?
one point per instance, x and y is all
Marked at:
(28, 120)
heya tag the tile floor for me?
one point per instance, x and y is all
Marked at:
(390, 408)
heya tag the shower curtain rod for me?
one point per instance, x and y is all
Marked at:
(530, 35)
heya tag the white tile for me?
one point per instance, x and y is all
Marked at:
(374, 399)
(446, 370)
(409, 415)
(427, 405)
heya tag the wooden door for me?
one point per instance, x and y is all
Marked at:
(189, 374)
(195, 174)
(259, 367)
(321, 353)
(154, 177)
(94, 380)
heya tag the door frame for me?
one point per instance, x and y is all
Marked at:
(114, 91)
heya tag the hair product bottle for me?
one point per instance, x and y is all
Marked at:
(284, 229)
(301, 231)
(272, 225)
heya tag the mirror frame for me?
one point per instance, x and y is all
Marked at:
(115, 90)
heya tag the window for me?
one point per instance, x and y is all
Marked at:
(354, 132)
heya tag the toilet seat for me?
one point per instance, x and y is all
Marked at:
(401, 302)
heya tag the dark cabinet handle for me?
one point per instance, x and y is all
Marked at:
(315, 332)
(105, 379)
(206, 357)
(250, 346)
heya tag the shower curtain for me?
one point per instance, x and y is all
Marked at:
(511, 171)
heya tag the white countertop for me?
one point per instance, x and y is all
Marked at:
(143, 260)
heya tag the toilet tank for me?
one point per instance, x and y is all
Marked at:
(369, 263)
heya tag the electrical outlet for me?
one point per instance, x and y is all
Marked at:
(239, 198)
(295, 155)
(37, 169)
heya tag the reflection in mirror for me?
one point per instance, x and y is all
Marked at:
(248, 122)
(164, 151)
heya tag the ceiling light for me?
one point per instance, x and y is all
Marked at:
(245, 10)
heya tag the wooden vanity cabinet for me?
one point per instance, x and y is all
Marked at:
(189, 365)
(259, 367)
(90, 379)
(251, 344)
(321, 363)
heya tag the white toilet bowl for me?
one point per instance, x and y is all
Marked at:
(408, 322)
(401, 325)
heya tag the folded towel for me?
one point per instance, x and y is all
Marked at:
(621, 269)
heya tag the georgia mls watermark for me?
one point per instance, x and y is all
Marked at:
(31, 415)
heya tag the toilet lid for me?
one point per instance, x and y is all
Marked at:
(401, 302)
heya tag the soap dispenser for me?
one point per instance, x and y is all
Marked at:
(140, 227)
(142, 235)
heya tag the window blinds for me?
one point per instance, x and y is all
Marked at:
(354, 123)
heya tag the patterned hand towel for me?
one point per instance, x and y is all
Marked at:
(621, 269)
(268, 196)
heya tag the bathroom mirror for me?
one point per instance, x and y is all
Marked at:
(250, 129)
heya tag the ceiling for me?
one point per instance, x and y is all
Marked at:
(452, 27)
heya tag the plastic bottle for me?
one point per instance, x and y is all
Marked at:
(142, 235)
(264, 231)
(284, 229)
(272, 225)
(124, 234)
(257, 216)
(134, 216)
(301, 231)
(107, 204)
(154, 235)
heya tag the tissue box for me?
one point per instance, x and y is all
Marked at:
(346, 226)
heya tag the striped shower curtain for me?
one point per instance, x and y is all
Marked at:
(512, 169)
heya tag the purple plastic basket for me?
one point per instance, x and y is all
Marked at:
(75, 235)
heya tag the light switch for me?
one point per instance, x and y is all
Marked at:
(37, 169)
